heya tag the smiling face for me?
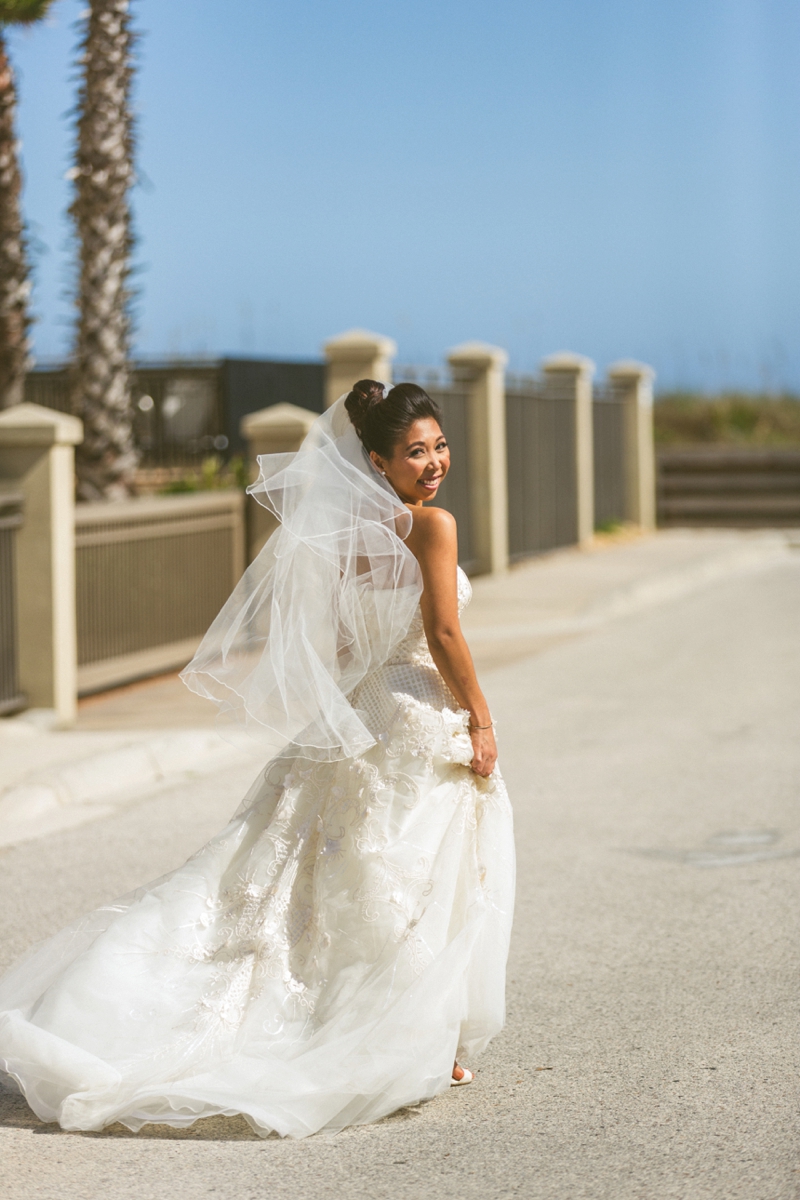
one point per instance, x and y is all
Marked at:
(420, 461)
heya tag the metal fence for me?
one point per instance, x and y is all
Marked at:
(454, 494)
(11, 699)
(541, 459)
(540, 426)
(608, 421)
(179, 415)
(151, 575)
(186, 411)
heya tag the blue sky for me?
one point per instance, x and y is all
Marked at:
(616, 177)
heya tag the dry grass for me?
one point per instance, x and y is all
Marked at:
(729, 419)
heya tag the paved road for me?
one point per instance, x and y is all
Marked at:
(651, 1049)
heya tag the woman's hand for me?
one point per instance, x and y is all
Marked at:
(485, 751)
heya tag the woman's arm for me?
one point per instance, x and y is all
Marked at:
(433, 543)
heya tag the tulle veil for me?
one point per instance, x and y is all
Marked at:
(330, 595)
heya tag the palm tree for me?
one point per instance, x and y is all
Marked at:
(103, 175)
(15, 285)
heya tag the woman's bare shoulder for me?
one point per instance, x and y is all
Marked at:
(433, 523)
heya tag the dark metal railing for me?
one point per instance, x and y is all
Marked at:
(455, 492)
(608, 420)
(185, 411)
(179, 416)
(540, 427)
(11, 698)
(151, 575)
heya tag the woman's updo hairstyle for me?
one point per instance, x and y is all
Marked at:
(381, 421)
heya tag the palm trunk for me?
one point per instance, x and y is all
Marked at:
(14, 280)
(101, 392)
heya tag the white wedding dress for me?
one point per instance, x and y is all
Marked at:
(318, 964)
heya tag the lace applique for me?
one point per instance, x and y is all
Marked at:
(430, 734)
(226, 1001)
(256, 928)
(325, 821)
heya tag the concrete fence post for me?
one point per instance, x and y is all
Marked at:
(37, 458)
(633, 381)
(357, 354)
(279, 429)
(570, 376)
(482, 368)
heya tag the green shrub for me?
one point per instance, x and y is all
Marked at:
(211, 476)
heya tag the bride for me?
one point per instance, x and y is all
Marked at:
(328, 956)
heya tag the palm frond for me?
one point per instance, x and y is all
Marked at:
(22, 12)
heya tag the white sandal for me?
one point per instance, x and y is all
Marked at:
(467, 1077)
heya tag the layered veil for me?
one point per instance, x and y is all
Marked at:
(322, 960)
(332, 592)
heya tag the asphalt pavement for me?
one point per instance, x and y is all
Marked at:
(650, 743)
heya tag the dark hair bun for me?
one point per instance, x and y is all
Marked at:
(365, 394)
(381, 418)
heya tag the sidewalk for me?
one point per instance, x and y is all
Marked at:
(137, 739)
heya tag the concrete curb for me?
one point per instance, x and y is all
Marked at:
(74, 792)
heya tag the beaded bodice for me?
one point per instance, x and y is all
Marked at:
(414, 647)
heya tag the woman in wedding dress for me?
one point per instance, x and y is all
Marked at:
(327, 957)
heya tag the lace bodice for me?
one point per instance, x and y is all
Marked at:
(414, 648)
